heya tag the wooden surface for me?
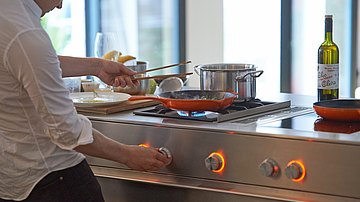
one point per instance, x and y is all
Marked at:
(118, 107)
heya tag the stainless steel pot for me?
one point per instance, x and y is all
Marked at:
(143, 88)
(238, 78)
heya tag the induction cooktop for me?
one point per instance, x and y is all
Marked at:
(312, 122)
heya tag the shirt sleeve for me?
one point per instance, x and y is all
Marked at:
(32, 60)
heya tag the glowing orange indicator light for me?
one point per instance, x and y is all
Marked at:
(303, 170)
(222, 167)
(144, 145)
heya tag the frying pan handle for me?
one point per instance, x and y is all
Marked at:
(134, 98)
(196, 69)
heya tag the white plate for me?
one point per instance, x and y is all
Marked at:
(89, 99)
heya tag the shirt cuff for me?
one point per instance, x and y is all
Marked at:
(86, 136)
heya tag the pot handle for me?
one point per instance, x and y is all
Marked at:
(253, 74)
(196, 69)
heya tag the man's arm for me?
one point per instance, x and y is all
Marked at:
(111, 72)
(74, 66)
(135, 157)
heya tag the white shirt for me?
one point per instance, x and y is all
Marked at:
(39, 125)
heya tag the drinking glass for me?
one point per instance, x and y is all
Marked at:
(104, 43)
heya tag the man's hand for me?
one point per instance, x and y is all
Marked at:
(116, 74)
(144, 158)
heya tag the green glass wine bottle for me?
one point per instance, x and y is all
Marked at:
(328, 65)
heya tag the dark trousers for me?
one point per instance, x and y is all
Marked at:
(75, 184)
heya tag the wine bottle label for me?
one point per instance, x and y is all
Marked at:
(328, 76)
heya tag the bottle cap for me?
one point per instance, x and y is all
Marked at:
(328, 16)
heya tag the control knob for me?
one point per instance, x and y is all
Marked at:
(166, 152)
(295, 171)
(269, 168)
(215, 162)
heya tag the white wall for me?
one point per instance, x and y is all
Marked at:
(204, 34)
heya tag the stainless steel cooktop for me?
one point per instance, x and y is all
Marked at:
(239, 109)
(296, 109)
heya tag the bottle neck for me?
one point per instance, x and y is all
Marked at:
(328, 29)
(328, 36)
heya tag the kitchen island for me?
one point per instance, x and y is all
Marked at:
(275, 156)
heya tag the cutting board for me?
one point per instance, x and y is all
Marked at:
(118, 107)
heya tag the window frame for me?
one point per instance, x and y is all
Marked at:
(93, 24)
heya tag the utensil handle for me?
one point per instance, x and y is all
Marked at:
(142, 97)
(162, 76)
(163, 67)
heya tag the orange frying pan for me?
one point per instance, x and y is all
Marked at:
(339, 109)
(192, 100)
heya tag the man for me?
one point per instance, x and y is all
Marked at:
(41, 135)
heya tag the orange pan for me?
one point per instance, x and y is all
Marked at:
(192, 100)
(339, 109)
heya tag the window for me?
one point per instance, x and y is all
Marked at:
(252, 35)
(66, 28)
(282, 37)
(147, 29)
(308, 34)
